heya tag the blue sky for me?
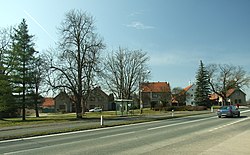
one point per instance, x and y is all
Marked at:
(176, 34)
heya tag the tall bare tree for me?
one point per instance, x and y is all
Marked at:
(78, 58)
(125, 69)
(39, 74)
(225, 77)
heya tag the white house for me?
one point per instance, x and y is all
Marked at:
(190, 91)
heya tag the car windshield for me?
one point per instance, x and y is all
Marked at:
(225, 107)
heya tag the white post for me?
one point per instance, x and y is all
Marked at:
(212, 109)
(173, 113)
(101, 121)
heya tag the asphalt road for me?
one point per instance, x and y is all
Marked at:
(202, 134)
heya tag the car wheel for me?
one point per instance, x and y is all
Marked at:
(219, 116)
(238, 114)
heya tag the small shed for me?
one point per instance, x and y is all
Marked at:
(124, 106)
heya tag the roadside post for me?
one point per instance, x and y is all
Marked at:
(212, 109)
(172, 112)
(101, 120)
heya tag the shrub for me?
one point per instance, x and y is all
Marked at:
(185, 108)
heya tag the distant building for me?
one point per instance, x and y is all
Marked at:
(155, 93)
(48, 104)
(63, 103)
(99, 98)
(234, 96)
(190, 95)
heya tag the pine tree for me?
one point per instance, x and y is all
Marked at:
(7, 103)
(202, 86)
(23, 51)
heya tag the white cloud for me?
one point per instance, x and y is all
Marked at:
(140, 26)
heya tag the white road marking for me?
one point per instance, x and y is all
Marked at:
(34, 149)
(181, 123)
(21, 151)
(223, 126)
(245, 111)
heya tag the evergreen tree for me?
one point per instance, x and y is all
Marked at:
(202, 86)
(7, 103)
(23, 51)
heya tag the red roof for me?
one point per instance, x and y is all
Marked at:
(213, 96)
(155, 87)
(48, 102)
(187, 88)
(230, 92)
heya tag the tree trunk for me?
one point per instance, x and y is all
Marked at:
(23, 102)
(36, 98)
(78, 108)
(23, 113)
(83, 107)
(36, 108)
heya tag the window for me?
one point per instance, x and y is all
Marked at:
(235, 101)
(61, 106)
(239, 100)
(154, 95)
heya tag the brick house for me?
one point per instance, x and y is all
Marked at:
(154, 94)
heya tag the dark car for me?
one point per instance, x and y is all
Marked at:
(228, 111)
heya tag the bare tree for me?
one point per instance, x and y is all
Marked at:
(125, 69)
(5, 44)
(225, 77)
(180, 95)
(78, 58)
(39, 74)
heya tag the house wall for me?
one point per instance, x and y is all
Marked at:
(98, 101)
(238, 97)
(63, 103)
(98, 98)
(148, 97)
(190, 96)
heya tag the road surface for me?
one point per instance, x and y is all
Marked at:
(202, 135)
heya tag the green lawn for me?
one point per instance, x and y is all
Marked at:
(51, 118)
(30, 120)
(46, 118)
